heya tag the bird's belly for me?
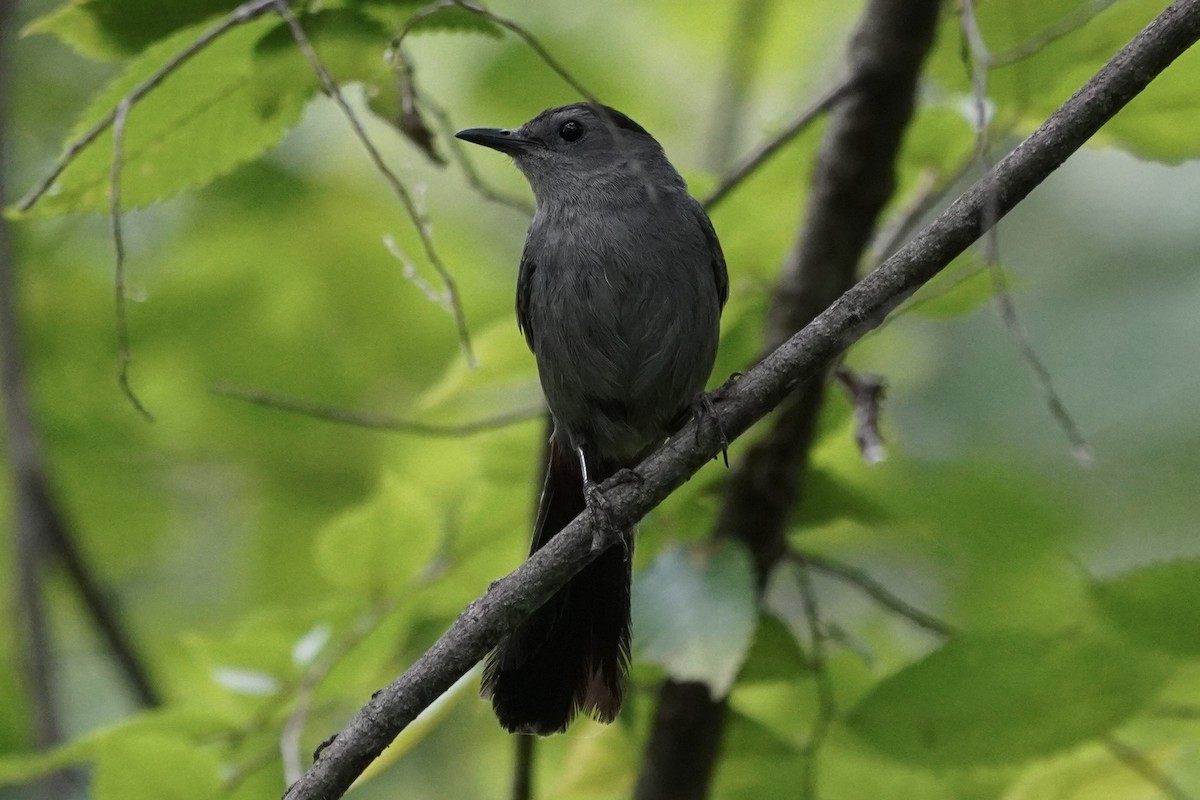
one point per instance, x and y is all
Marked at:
(619, 367)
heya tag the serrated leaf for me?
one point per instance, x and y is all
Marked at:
(1156, 606)
(206, 117)
(155, 767)
(695, 611)
(1007, 697)
(107, 30)
(383, 545)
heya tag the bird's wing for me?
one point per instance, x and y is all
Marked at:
(524, 282)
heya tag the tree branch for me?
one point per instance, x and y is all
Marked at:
(244, 13)
(366, 419)
(450, 295)
(742, 402)
(852, 180)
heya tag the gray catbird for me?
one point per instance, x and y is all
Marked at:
(619, 296)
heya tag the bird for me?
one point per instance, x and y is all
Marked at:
(619, 296)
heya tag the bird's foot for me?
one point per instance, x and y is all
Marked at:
(702, 409)
(603, 527)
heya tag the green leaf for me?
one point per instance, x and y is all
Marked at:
(1160, 123)
(453, 19)
(176, 722)
(382, 546)
(505, 380)
(1156, 606)
(1007, 697)
(775, 654)
(695, 611)
(206, 117)
(155, 767)
(963, 287)
(108, 30)
(350, 45)
(19, 768)
(1093, 772)
(1023, 93)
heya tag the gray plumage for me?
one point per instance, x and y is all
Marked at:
(619, 296)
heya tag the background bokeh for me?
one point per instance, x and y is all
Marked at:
(228, 533)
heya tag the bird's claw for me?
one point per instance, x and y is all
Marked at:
(703, 408)
(604, 528)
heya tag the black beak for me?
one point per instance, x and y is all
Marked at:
(506, 141)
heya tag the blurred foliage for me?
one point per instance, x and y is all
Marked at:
(276, 569)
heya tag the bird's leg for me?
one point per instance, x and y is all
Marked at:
(598, 505)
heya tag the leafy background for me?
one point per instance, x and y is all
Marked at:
(252, 549)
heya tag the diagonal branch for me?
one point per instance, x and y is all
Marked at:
(853, 178)
(742, 402)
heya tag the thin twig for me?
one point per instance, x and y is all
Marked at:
(1080, 448)
(929, 193)
(876, 591)
(410, 272)
(116, 120)
(1136, 760)
(555, 66)
(98, 601)
(458, 153)
(242, 14)
(826, 701)
(990, 245)
(1050, 34)
(124, 353)
(524, 35)
(306, 688)
(419, 219)
(866, 395)
(748, 165)
(509, 25)
(365, 419)
(406, 73)
(409, 120)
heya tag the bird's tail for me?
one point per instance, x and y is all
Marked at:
(572, 654)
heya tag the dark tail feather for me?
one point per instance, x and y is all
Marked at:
(571, 655)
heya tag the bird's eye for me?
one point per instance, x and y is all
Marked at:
(570, 130)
